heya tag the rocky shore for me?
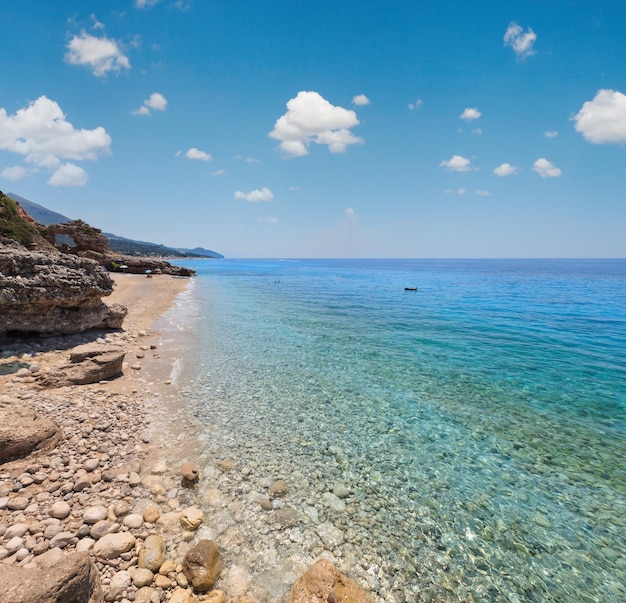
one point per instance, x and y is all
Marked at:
(93, 513)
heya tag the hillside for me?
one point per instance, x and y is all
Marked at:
(118, 244)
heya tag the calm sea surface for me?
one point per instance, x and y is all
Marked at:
(462, 442)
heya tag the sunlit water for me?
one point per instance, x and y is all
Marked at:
(477, 425)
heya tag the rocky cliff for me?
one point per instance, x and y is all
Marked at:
(43, 293)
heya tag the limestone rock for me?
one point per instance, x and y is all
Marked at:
(52, 293)
(323, 582)
(152, 554)
(101, 363)
(113, 545)
(183, 595)
(202, 565)
(191, 518)
(22, 431)
(71, 579)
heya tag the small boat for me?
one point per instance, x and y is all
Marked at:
(410, 288)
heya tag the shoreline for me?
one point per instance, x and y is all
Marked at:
(105, 476)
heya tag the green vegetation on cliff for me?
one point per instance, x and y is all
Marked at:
(13, 225)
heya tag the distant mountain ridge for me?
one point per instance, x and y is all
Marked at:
(122, 245)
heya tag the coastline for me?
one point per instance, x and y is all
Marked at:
(105, 475)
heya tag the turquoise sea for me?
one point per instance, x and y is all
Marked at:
(462, 442)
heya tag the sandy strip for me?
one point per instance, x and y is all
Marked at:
(145, 298)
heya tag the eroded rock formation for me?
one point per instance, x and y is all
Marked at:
(52, 293)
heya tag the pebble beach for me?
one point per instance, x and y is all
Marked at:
(103, 488)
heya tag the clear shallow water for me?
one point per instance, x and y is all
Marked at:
(479, 423)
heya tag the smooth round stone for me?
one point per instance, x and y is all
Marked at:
(152, 555)
(59, 510)
(19, 503)
(113, 545)
(91, 464)
(134, 520)
(100, 529)
(51, 531)
(61, 540)
(147, 594)
(151, 514)
(94, 514)
(14, 545)
(17, 529)
(134, 479)
(341, 491)
(120, 508)
(142, 576)
(191, 518)
(85, 545)
(22, 554)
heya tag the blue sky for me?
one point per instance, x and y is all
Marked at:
(294, 128)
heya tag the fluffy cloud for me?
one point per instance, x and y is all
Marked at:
(551, 134)
(256, 196)
(43, 136)
(310, 118)
(546, 169)
(456, 163)
(350, 213)
(470, 114)
(482, 193)
(101, 55)
(194, 153)
(145, 3)
(156, 101)
(68, 175)
(416, 105)
(16, 172)
(520, 42)
(360, 100)
(603, 119)
(506, 169)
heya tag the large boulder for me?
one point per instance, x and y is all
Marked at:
(89, 363)
(72, 579)
(53, 293)
(324, 582)
(202, 565)
(22, 431)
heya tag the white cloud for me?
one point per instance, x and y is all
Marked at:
(194, 153)
(477, 131)
(252, 160)
(546, 169)
(43, 136)
(269, 220)
(506, 169)
(481, 193)
(360, 100)
(461, 191)
(551, 134)
(350, 212)
(68, 175)
(310, 118)
(521, 43)
(145, 3)
(456, 163)
(416, 105)
(255, 196)
(100, 54)
(603, 119)
(470, 113)
(218, 173)
(16, 172)
(156, 101)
